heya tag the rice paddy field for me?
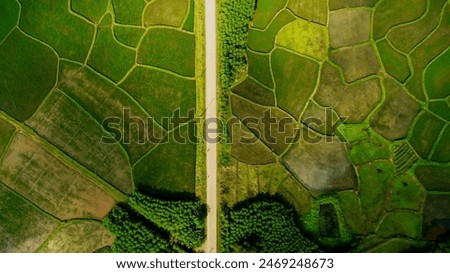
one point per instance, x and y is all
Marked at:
(358, 95)
(95, 97)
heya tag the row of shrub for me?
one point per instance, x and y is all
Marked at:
(234, 19)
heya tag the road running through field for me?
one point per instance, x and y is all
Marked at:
(211, 116)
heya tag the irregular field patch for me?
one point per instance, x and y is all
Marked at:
(259, 68)
(102, 100)
(129, 12)
(78, 237)
(9, 12)
(293, 89)
(7, 132)
(264, 41)
(373, 185)
(353, 103)
(390, 13)
(170, 167)
(349, 27)
(434, 178)
(91, 9)
(68, 34)
(168, 49)
(27, 74)
(425, 132)
(51, 184)
(161, 93)
(395, 63)
(406, 37)
(437, 80)
(428, 50)
(442, 151)
(265, 11)
(255, 92)
(311, 10)
(24, 228)
(357, 62)
(169, 13)
(271, 125)
(394, 118)
(70, 128)
(246, 147)
(304, 37)
(321, 163)
(108, 57)
(129, 36)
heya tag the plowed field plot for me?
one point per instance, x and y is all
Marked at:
(357, 142)
(93, 97)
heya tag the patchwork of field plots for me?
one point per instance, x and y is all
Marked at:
(357, 139)
(94, 95)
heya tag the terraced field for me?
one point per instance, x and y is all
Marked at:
(341, 109)
(95, 99)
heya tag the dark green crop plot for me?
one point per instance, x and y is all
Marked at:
(28, 73)
(259, 68)
(392, 13)
(169, 49)
(170, 167)
(68, 34)
(293, 89)
(91, 9)
(406, 37)
(9, 12)
(129, 12)
(120, 59)
(161, 93)
(189, 24)
(437, 80)
(395, 63)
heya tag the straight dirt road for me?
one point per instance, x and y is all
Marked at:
(211, 124)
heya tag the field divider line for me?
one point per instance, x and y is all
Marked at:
(76, 166)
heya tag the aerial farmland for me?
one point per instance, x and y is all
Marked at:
(332, 115)
(95, 97)
(338, 125)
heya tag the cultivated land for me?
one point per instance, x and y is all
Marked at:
(361, 91)
(98, 104)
